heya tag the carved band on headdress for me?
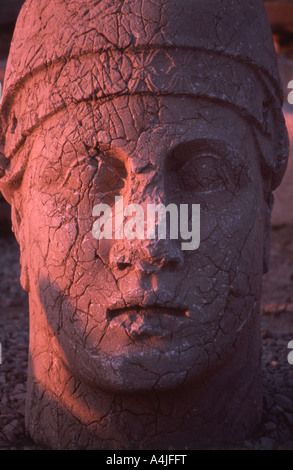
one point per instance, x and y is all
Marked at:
(111, 73)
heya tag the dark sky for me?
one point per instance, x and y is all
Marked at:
(9, 10)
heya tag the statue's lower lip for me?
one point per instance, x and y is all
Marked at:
(146, 322)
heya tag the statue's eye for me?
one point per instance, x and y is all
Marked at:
(95, 171)
(204, 169)
(203, 174)
(101, 173)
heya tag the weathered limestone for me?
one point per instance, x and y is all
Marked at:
(137, 343)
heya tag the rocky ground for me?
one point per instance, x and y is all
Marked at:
(276, 429)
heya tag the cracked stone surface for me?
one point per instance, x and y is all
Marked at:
(275, 430)
(135, 343)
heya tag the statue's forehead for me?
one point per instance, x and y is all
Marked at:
(143, 118)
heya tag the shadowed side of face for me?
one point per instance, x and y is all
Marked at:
(144, 314)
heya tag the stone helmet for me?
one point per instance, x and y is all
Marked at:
(67, 51)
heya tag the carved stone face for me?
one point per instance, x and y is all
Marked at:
(143, 314)
(101, 103)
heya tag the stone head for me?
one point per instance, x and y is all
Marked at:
(155, 102)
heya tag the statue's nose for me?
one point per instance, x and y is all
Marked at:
(152, 249)
(148, 256)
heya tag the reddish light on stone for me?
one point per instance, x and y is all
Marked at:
(136, 343)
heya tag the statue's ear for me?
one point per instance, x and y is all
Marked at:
(14, 198)
(273, 151)
(3, 164)
(3, 161)
(19, 232)
(10, 188)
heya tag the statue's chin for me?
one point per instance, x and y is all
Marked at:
(141, 371)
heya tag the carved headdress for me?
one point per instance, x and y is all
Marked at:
(68, 51)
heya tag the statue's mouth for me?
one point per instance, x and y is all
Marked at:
(155, 310)
(150, 321)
